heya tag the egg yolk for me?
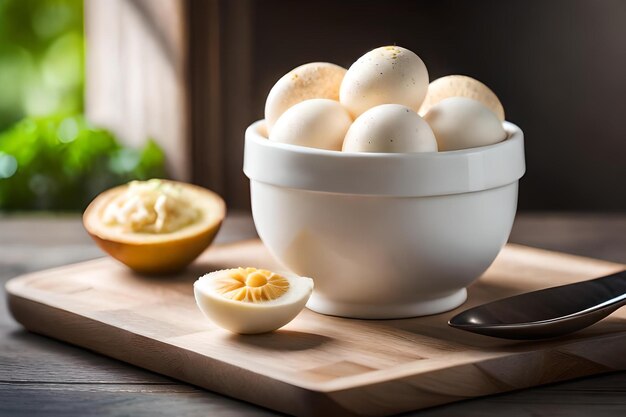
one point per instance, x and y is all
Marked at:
(251, 285)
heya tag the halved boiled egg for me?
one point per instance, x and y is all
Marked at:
(155, 226)
(251, 300)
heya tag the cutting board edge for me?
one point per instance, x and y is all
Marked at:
(312, 402)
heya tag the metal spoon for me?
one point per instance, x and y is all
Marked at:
(546, 313)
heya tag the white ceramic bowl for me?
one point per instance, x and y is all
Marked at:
(384, 235)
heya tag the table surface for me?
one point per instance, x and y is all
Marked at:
(40, 376)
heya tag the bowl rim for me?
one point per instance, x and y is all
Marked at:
(418, 174)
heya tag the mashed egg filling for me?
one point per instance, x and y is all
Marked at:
(152, 206)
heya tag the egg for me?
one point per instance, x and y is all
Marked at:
(316, 123)
(460, 123)
(312, 80)
(251, 300)
(390, 128)
(461, 86)
(390, 74)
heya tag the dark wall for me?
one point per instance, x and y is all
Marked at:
(559, 68)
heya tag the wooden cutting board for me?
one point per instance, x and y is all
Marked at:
(317, 365)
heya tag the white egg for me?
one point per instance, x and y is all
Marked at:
(250, 300)
(386, 75)
(390, 128)
(460, 123)
(316, 123)
(313, 80)
(461, 86)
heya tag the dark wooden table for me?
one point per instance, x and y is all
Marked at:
(40, 376)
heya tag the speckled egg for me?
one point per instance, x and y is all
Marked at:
(316, 123)
(460, 123)
(312, 80)
(390, 74)
(390, 128)
(461, 86)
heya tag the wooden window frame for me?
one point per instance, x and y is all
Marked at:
(177, 71)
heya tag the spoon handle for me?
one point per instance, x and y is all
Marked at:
(548, 312)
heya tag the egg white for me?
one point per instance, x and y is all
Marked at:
(251, 318)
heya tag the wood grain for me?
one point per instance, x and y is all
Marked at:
(137, 73)
(219, 87)
(137, 400)
(317, 364)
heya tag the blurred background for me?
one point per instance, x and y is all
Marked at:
(51, 157)
(96, 93)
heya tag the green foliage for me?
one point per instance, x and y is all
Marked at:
(54, 163)
(62, 163)
(41, 58)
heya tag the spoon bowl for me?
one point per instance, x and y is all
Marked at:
(546, 313)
